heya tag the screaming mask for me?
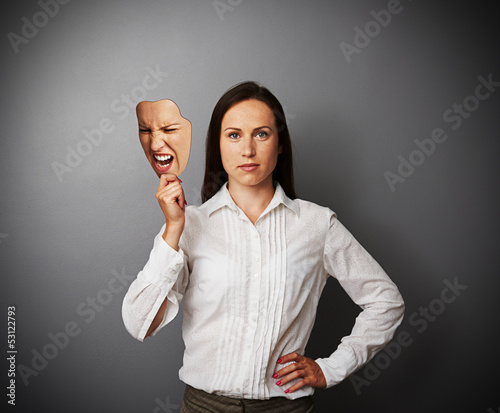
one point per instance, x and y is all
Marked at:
(165, 136)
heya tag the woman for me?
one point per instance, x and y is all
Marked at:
(251, 263)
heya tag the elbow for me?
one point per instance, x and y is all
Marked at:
(136, 324)
(399, 310)
(158, 319)
(402, 309)
(396, 301)
(130, 322)
(402, 306)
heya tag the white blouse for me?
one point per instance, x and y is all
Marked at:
(251, 293)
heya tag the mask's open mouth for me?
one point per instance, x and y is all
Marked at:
(163, 160)
(162, 163)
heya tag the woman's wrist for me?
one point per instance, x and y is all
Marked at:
(172, 235)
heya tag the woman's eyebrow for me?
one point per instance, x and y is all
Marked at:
(238, 129)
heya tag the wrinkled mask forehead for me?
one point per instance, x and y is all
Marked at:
(160, 113)
(163, 117)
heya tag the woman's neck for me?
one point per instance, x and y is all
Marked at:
(252, 200)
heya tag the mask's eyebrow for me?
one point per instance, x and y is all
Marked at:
(166, 126)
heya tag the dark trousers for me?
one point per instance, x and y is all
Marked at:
(198, 401)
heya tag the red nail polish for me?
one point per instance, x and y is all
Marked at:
(278, 383)
(179, 180)
(275, 376)
(287, 390)
(280, 360)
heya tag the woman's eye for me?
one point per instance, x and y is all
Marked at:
(234, 135)
(261, 134)
(169, 130)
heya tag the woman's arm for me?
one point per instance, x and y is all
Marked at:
(369, 287)
(145, 307)
(171, 238)
(154, 297)
(382, 311)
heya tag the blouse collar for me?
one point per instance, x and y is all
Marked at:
(222, 199)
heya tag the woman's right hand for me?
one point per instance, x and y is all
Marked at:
(170, 196)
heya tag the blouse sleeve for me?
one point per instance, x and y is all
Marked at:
(165, 275)
(369, 287)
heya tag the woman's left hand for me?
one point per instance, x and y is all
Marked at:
(303, 367)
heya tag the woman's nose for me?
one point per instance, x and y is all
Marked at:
(249, 147)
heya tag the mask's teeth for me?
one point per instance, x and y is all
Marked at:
(167, 158)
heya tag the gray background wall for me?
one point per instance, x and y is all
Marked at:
(71, 242)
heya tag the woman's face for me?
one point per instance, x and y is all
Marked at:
(249, 143)
(165, 136)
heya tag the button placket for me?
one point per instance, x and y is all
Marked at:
(255, 281)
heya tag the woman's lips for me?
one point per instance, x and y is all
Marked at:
(249, 167)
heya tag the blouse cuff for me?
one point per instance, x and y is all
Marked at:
(337, 367)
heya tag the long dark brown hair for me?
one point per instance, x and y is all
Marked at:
(215, 175)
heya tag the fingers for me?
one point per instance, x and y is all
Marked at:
(165, 179)
(301, 366)
(291, 371)
(290, 357)
(171, 199)
(170, 190)
(170, 193)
